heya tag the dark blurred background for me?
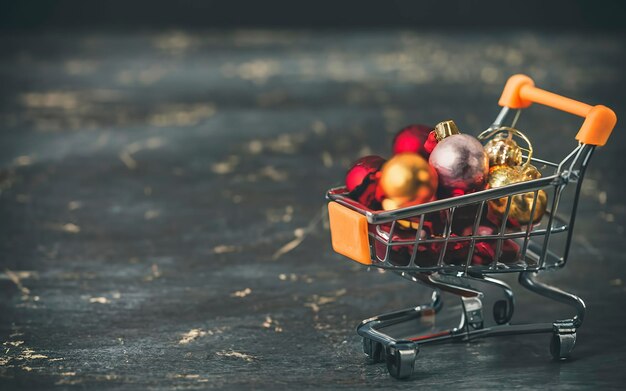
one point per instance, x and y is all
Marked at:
(602, 15)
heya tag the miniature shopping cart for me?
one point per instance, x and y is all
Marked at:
(370, 237)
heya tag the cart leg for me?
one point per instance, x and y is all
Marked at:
(400, 358)
(563, 340)
(564, 331)
(473, 310)
(527, 280)
(375, 351)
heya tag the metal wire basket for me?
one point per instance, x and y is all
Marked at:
(446, 260)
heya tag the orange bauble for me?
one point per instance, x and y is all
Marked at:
(407, 178)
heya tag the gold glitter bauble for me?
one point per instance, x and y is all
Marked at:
(407, 178)
(520, 211)
(503, 151)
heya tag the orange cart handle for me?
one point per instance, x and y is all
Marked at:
(520, 92)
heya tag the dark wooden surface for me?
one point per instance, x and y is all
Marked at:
(161, 205)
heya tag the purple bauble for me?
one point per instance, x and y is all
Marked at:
(462, 164)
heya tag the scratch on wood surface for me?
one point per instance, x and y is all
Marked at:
(128, 160)
(241, 293)
(224, 249)
(255, 147)
(69, 378)
(327, 159)
(16, 278)
(272, 324)
(103, 299)
(186, 376)
(234, 354)
(155, 273)
(227, 166)
(30, 354)
(151, 214)
(293, 277)
(71, 228)
(67, 227)
(126, 154)
(191, 335)
(73, 205)
(24, 160)
(317, 301)
(319, 127)
(300, 234)
(274, 174)
(99, 300)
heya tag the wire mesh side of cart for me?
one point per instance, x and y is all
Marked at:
(538, 246)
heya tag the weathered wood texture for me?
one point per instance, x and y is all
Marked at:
(161, 201)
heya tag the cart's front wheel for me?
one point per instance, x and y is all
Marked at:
(561, 345)
(401, 359)
(375, 351)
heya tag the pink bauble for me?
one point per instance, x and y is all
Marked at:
(461, 163)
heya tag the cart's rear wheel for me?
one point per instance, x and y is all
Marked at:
(501, 312)
(561, 345)
(375, 351)
(400, 359)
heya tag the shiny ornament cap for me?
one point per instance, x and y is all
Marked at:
(445, 129)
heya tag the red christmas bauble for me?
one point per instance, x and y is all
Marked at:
(400, 253)
(413, 139)
(485, 250)
(464, 216)
(362, 181)
(361, 169)
(368, 193)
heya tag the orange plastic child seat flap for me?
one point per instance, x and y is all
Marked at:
(348, 231)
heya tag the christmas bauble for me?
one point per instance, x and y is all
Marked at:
(529, 172)
(400, 254)
(461, 164)
(463, 217)
(408, 179)
(520, 211)
(412, 139)
(413, 222)
(362, 181)
(503, 150)
(485, 250)
(361, 169)
(456, 251)
(390, 204)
